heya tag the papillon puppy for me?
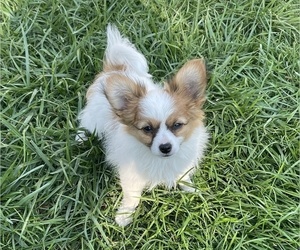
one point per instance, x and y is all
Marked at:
(152, 135)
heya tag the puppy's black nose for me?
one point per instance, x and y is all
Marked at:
(165, 148)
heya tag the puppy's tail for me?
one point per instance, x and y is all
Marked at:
(120, 53)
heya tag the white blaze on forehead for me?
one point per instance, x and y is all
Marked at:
(158, 105)
(165, 136)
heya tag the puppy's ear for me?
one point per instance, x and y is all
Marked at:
(190, 82)
(123, 95)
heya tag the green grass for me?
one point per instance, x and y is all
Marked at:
(56, 194)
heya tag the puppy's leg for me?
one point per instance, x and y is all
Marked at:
(186, 184)
(87, 124)
(81, 136)
(132, 191)
(92, 118)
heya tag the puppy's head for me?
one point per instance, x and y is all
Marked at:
(161, 119)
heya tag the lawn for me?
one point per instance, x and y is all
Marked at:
(58, 194)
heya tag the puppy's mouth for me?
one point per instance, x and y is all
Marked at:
(166, 155)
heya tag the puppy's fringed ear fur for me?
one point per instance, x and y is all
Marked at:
(123, 95)
(121, 91)
(190, 82)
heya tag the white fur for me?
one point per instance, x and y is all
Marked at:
(120, 51)
(139, 166)
(159, 105)
(165, 136)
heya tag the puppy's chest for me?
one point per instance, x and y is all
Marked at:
(162, 172)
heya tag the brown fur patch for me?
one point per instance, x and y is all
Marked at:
(189, 117)
(190, 82)
(107, 67)
(124, 95)
(188, 90)
(137, 130)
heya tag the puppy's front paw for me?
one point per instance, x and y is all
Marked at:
(188, 189)
(188, 186)
(123, 219)
(124, 216)
(81, 137)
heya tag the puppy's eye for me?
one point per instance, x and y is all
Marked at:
(147, 129)
(177, 125)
